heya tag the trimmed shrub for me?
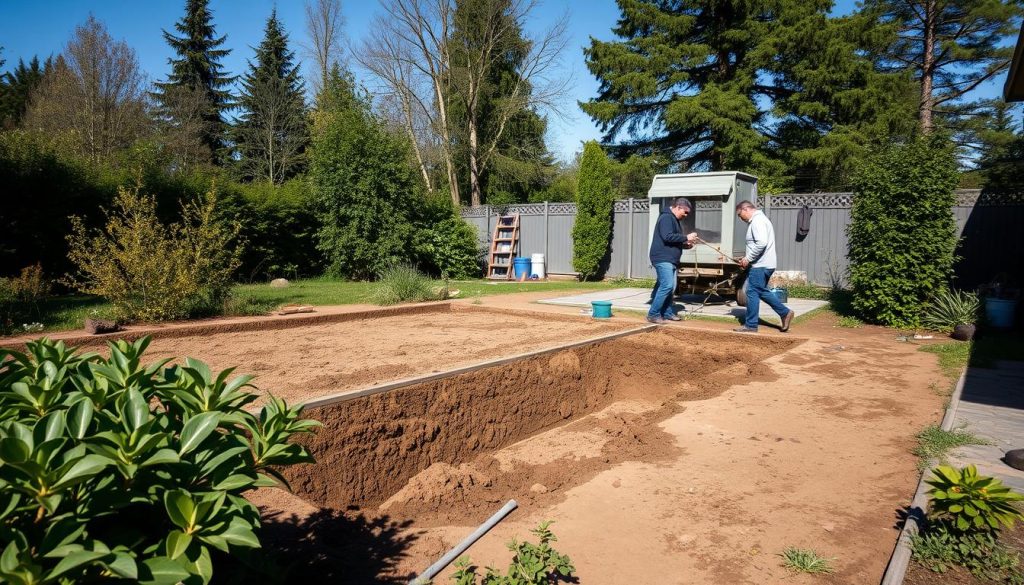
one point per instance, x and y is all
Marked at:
(152, 271)
(444, 244)
(902, 235)
(592, 232)
(114, 470)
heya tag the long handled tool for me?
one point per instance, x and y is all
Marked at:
(717, 249)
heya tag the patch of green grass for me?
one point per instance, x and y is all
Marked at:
(849, 322)
(808, 291)
(953, 357)
(933, 444)
(805, 560)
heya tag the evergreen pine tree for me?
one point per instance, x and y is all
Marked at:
(683, 81)
(271, 134)
(15, 88)
(950, 47)
(197, 71)
(592, 231)
(831, 100)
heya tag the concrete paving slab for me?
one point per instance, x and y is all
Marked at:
(637, 299)
(992, 406)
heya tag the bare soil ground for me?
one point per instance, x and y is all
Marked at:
(304, 362)
(704, 478)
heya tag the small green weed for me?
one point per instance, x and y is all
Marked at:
(808, 291)
(849, 322)
(533, 564)
(805, 560)
(933, 444)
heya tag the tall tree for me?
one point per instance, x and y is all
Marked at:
(362, 184)
(592, 231)
(197, 71)
(16, 87)
(271, 135)
(831, 100)
(416, 52)
(324, 23)
(491, 89)
(683, 81)
(94, 94)
(951, 46)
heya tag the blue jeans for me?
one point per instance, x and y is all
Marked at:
(757, 290)
(664, 287)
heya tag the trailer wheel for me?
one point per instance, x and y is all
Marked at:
(741, 289)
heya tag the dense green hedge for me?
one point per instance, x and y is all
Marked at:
(903, 234)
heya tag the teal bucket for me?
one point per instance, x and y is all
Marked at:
(780, 293)
(602, 309)
(999, 312)
(522, 267)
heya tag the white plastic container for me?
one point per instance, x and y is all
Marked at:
(537, 265)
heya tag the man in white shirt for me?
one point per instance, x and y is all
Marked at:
(760, 258)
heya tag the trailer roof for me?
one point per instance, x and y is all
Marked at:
(696, 184)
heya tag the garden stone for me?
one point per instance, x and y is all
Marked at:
(279, 283)
(1015, 459)
(98, 326)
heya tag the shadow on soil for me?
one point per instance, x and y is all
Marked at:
(329, 546)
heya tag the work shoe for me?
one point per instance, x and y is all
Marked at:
(787, 320)
(673, 318)
(745, 330)
(656, 320)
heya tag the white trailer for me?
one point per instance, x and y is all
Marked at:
(714, 196)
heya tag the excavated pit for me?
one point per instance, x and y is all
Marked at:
(371, 446)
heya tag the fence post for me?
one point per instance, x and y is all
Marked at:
(629, 246)
(487, 232)
(547, 260)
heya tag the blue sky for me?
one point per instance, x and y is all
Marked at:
(42, 27)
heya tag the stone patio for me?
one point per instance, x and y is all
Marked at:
(992, 406)
(636, 299)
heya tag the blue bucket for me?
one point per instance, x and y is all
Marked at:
(522, 267)
(780, 293)
(602, 309)
(999, 312)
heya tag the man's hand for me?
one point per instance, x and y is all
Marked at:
(744, 263)
(691, 238)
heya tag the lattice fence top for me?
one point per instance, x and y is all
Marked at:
(964, 198)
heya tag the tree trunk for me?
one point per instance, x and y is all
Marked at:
(474, 167)
(928, 67)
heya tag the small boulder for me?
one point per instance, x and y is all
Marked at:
(279, 283)
(1015, 459)
(539, 488)
(99, 326)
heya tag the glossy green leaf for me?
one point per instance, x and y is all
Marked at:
(177, 543)
(83, 469)
(74, 560)
(161, 571)
(197, 429)
(180, 508)
(79, 417)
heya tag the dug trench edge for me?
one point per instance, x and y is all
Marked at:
(353, 394)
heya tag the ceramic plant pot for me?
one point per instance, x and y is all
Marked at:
(963, 332)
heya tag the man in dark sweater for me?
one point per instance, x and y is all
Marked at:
(666, 248)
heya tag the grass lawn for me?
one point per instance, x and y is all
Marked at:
(69, 312)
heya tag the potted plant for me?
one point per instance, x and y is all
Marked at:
(1000, 302)
(953, 311)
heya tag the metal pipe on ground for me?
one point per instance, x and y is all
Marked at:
(460, 548)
